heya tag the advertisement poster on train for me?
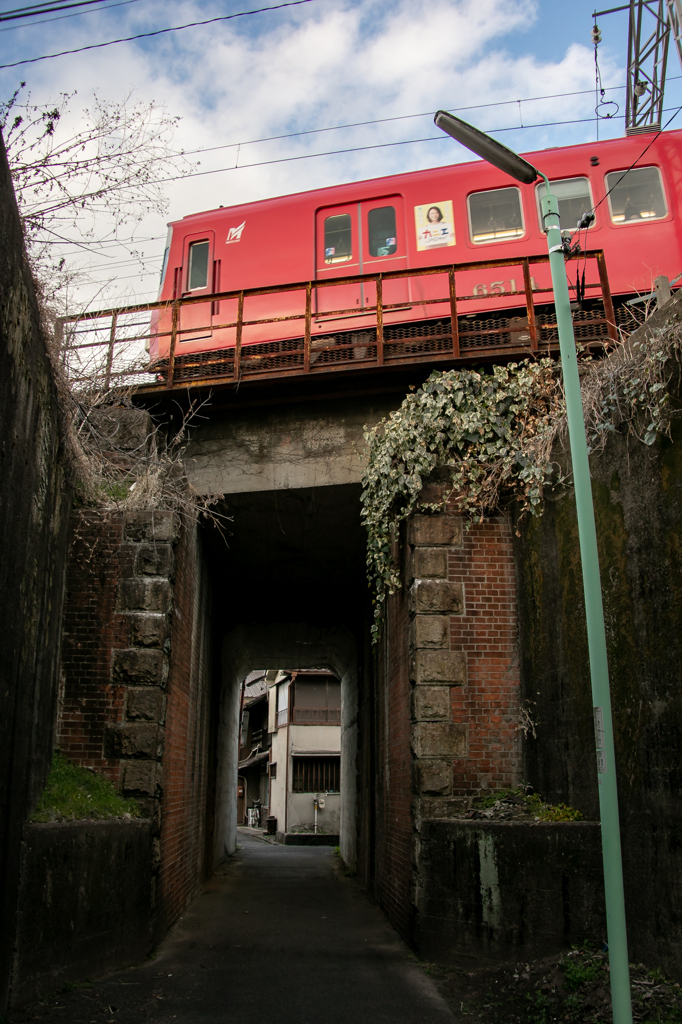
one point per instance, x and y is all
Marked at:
(434, 224)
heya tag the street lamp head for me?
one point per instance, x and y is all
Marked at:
(483, 145)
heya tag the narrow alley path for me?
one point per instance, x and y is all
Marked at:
(278, 935)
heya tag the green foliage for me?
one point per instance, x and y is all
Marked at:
(559, 812)
(491, 435)
(532, 803)
(73, 792)
(489, 432)
(583, 968)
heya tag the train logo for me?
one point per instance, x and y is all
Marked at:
(235, 234)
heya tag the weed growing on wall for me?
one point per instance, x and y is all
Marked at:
(630, 391)
(73, 792)
(491, 433)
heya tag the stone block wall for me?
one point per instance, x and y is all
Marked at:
(136, 681)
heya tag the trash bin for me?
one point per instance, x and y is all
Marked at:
(271, 824)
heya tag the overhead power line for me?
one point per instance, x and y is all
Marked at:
(63, 17)
(379, 145)
(400, 117)
(38, 9)
(157, 32)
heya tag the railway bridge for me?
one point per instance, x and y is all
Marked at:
(429, 717)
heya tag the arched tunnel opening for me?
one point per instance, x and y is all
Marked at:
(289, 592)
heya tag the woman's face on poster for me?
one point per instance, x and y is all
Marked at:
(434, 215)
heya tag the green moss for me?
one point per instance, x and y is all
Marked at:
(73, 792)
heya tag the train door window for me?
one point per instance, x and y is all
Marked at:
(338, 247)
(636, 196)
(381, 231)
(197, 274)
(575, 199)
(495, 216)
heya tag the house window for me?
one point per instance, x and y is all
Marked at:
(316, 702)
(381, 230)
(636, 195)
(574, 197)
(282, 704)
(495, 216)
(273, 770)
(197, 276)
(317, 775)
(337, 239)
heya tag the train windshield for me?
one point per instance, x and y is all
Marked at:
(383, 240)
(198, 266)
(636, 195)
(495, 216)
(337, 239)
(575, 199)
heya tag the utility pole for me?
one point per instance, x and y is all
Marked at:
(651, 26)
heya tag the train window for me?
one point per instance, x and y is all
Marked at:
(381, 231)
(575, 199)
(197, 276)
(636, 195)
(338, 247)
(495, 216)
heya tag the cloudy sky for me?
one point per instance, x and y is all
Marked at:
(262, 96)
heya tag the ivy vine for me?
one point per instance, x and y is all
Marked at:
(491, 434)
(488, 432)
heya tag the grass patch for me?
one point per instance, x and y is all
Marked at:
(72, 793)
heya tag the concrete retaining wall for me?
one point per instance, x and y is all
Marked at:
(501, 890)
(35, 497)
(85, 901)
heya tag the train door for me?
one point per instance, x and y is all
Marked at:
(196, 278)
(339, 254)
(384, 248)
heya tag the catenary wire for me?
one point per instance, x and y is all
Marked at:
(157, 32)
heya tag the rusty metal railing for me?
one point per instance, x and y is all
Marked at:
(108, 343)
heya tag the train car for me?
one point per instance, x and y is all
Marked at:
(459, 214)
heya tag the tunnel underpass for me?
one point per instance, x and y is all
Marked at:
(289, 591)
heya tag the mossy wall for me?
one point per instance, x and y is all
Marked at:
(35, 498)
(638, 507)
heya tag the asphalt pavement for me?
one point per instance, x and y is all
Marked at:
(278, 934)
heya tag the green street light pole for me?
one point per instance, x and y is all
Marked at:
(483, 145)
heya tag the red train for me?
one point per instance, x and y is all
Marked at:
(457, 214)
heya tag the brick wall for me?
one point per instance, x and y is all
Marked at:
(446, 692)
(486, 632)
(89, 699)
(186, 758)
(136, 679)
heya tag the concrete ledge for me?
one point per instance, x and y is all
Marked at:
(84, 903)
(498, 889)
(307, 839)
